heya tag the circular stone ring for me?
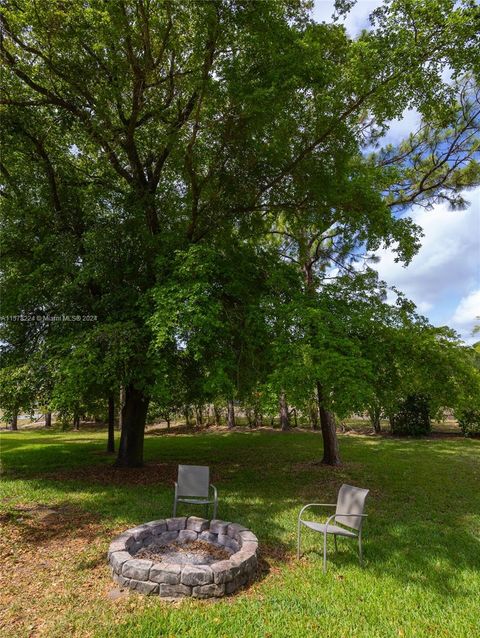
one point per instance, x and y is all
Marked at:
(174, 580)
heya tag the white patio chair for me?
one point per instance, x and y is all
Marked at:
(193, 486)
(349, 513)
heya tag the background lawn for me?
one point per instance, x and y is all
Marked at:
(61, 503)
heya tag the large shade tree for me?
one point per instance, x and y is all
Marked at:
(137, 129)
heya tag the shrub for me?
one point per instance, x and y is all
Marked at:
(413, 417)
(469, 421)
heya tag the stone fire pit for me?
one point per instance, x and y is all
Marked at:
(184, 557)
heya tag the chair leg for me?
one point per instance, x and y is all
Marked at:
(325, 553)
(298, 539)
(336, 546)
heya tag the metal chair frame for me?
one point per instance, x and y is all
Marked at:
(199, 495)
(348, 531)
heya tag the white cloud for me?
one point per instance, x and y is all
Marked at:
(443, 279)
(401, 128)
(467, 310)
(424, 307)
(323, 10)
(448, 257)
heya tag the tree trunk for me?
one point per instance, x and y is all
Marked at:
(198, 415)
(314, 415)
(207, 416)
(167, 419)
(391, 418)
(284, 419)
(331, 455)
(14, 422)
(218, 415)
(134, 415)
(186, 414)
(48, 420)
(230, 415)
(120, 408)
(295, 421)
(111, 424)
(76, 422)
(258, 418)
(374, 414)
(248, 414)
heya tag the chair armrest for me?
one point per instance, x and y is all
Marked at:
(214, 491)
(315, 505)
(176, 489)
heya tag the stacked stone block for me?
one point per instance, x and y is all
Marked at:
(172, 580)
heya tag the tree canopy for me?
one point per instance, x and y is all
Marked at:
(180, 179)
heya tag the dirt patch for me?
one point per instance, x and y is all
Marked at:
(150, 474)
(51, 558)
(41, 523)
(275, 553)
(272, 559)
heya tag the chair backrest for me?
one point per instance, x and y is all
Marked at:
(351, 499)
(193, 480)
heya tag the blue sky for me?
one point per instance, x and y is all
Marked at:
(443, 279)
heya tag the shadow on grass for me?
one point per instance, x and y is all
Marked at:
(422, 497)
(38, 523)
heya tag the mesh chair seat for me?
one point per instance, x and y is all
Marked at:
(331, 529)
(194, 501)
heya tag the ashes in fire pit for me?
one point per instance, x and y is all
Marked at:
(193, 552)
(184, 557)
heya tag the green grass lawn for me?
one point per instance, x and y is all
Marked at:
(422, 538)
